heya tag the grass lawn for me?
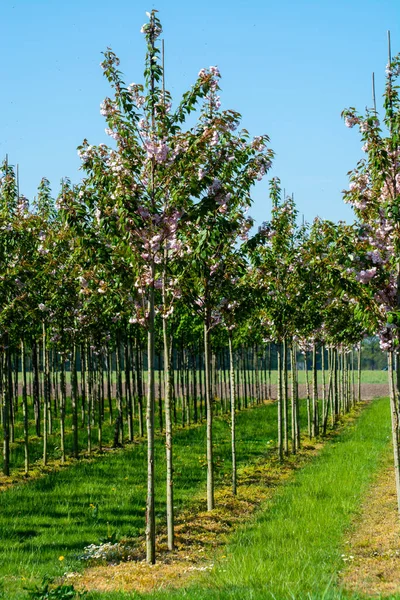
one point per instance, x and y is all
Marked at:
(82, 504)
(293, 549)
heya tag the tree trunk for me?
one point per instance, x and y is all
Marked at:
(294, 398)
(45, 396)
(168, 436)
(6, 411)
(62, 410)
(36, 397)
(394, 408)
(280, 407)
(74, 400)
(315, 419)
(285, 404)
(150, 504)
(308, 396)
(210, 462)
(25, 408)
(233, 415)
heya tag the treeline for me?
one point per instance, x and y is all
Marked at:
(43, 391)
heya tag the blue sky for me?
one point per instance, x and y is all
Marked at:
(288, 67)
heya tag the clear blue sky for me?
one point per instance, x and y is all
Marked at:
(288, 66)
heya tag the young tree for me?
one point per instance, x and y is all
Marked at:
(374, 193)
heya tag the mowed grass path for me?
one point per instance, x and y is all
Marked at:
(293, 549)
(61, 513)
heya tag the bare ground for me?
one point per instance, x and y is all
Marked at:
(372, 553)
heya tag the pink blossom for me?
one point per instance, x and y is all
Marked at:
(214, 139)
(351, 120)
(215, 71)
(158, 150)
(365, 276)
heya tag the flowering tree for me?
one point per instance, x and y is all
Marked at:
(140, 191)
(232, 164)
(273, 253)
(374, 193)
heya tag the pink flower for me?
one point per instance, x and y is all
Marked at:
(351, 120)
(366, 276)
(215, 71)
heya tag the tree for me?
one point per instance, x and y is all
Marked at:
(374, 193)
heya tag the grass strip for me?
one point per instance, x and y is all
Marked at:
(293, 549)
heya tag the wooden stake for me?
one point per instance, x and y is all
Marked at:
(373, 91)
(163, 70)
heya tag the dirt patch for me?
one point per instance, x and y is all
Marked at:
(373, 551)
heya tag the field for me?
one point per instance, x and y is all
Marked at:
(47, 523)
(194, 404)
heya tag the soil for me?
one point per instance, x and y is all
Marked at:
(372, 554)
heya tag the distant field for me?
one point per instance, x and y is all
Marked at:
(368, 376)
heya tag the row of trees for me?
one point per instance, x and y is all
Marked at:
(149, 260)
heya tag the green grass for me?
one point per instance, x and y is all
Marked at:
(52, 517)
(292, 550)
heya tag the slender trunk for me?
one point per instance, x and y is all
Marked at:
(394, 407)
(118, 429)
(210, 463)
(87, 390)
(62, 410)
(139, 387)
(293, 398)
(329, 401)
(128, 390)
(6, 411)
(100, 407)
(150, 504)
(353, 383)
(285, 404)
(84, 368)
(11, 399)
(335, 398)
(168, 435)
(201, 383)
(160, 408)
(36, 396)
(245, 373)
(269, 372)
(74, 400)
(194, 375)
(308, 396)
(323, 379)
(315, 420)
(25, 408)
(45, 396)
(280, 411)
(109, 385)
(233, 415)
